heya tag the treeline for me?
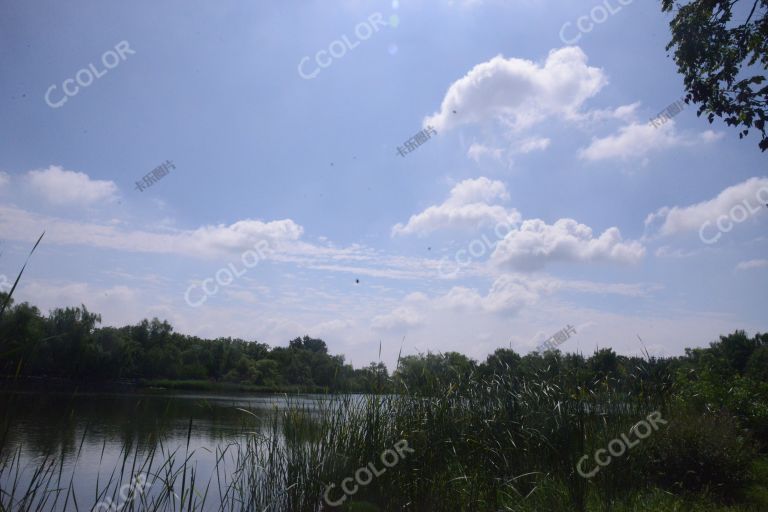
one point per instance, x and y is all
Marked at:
(68, 343)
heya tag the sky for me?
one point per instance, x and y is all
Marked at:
(421, 175)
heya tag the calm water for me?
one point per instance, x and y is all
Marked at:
(89, 431)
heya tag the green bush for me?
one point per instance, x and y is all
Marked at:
(706, 454)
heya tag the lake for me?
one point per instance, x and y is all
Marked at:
(89, 433)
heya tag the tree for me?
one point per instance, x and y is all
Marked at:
(757, 366)
(720, 59)
(604, 363)
(502, 362)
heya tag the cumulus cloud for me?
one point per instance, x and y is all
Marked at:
(752, 264)
(520, 93)
(467, 207)
(62, 187)
(636, 141)
(751, 194)
(535, 244)
(508, 294)
(243, 234)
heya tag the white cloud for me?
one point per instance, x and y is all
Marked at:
(711, 136)
(479, 151)
(751, 194)
(636, 141)
(531, 144)
(627, 113)
(399, 319)
(220, 241)
(535, 244)
(509, 294)
(5, 179)
(331, 328)
(520, 93)
(117, 304)
(206, 241)
(61, 187)
(752, 264)
(669, 252)
(247, 296)
(466, 207)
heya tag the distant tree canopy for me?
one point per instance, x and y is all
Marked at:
(68, 343)
(721, 49)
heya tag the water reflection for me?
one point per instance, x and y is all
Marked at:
(90, 433)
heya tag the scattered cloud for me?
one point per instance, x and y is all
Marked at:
(467, 207)
(478, 152)
(751, 194)
(752, 264)
(62, 187)
(636, 141)
(535, 244)
(669, 252)
(399, 319)
(510, 293)
(627, 113)
(520, 93)
(206, 241)
(531, 144)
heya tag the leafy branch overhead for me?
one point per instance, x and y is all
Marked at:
(720, 48)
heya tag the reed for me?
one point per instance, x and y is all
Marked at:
(497, 444)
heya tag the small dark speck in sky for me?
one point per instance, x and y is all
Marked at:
(357, 281)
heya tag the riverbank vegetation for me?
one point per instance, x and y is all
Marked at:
(504, 434)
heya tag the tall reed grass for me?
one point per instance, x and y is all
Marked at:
(498, 444)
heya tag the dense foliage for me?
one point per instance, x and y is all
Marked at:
(504, 434)
(68, 343)
(721, 49)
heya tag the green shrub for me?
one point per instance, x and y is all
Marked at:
(699, 454)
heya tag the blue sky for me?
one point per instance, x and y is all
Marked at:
(545, 135)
